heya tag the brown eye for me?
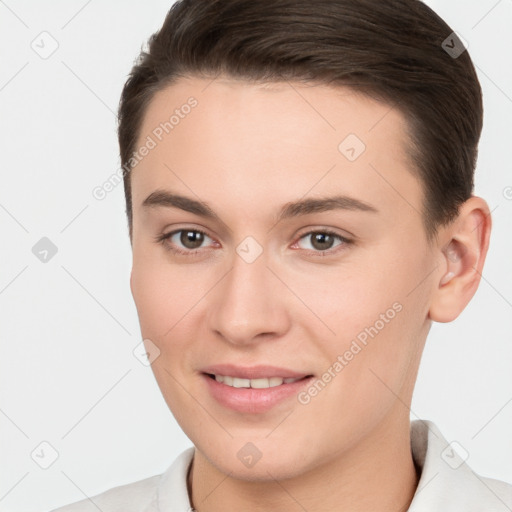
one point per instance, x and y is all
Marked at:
(191, 239)
(185, 242)
(323, 242)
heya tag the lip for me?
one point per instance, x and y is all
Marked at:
(249, 400)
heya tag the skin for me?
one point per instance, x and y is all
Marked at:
(246, 150)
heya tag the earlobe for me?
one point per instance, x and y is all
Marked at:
(461, 260)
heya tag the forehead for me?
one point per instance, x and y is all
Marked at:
(263, 106)
(273, 141)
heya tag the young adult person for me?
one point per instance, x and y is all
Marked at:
(299, 192)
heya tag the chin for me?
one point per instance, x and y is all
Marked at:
(262, 471)
(258, 461)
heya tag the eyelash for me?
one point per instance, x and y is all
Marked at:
(162, 239)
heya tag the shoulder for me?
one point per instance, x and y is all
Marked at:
(158, 492)
(133, 497)
(447, 482)
(498, 489)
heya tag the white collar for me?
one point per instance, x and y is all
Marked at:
(446, 484)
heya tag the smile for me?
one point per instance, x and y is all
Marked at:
(255, 395)
(261, 383)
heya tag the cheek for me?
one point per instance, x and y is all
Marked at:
(161, 299)
(164, 298)
(150, 294)
(163, 295)
(378, 326)
(347, 301)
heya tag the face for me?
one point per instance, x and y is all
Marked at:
(232, 278)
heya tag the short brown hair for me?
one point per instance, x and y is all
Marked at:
(391, 50)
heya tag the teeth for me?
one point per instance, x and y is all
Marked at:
(275, 381)
(261, 383)
(241, 383)
(264, 383)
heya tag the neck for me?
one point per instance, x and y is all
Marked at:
(377, 474)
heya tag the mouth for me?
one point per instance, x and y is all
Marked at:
(253, 390)
(261, 383)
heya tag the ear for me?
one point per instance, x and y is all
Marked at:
(462, 250)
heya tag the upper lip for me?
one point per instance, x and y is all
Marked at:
(253, 372)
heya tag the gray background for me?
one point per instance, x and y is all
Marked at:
(68, 327)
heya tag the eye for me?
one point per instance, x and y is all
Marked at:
(322, 241)
(183, 241)
(189, 242)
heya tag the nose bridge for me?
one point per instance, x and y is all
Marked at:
(247, 301)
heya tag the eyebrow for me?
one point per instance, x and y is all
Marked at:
(164, 198)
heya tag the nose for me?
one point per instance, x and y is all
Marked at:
(249, 303)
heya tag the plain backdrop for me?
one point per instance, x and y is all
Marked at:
(68, 326)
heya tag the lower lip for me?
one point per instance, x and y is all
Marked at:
(253, 400)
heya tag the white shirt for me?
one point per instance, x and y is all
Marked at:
(447, 484)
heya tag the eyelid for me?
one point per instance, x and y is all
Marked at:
(325, 229)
